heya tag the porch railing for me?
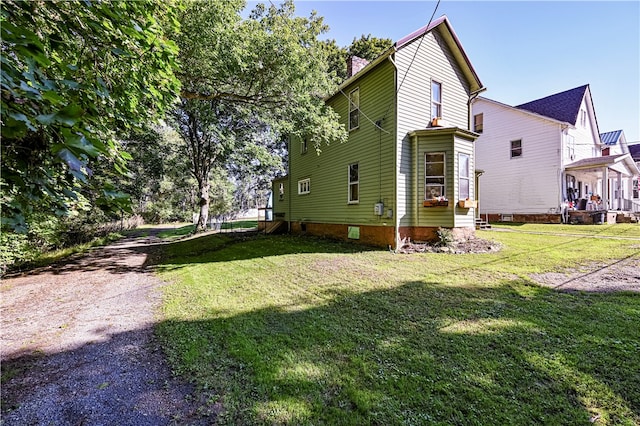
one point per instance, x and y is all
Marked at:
(631, 206)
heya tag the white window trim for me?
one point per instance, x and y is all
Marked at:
(511, 156)
(354, 107)
(444, 170)
(439, 103)
(304, 186)
(349, 183)
(461, 178)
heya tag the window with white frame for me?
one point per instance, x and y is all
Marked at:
(304, 186)
(434, 176)
(583, 118)
(635, 186)
(478, 123)
(304, 146)
(354, 109)
(354, 183)
(436, 99)
(571, 147)
(464, 176)
(516, 148)
(281, 191)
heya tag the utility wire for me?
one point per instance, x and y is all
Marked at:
(412, 60)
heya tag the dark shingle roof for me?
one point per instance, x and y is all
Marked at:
(610, 138)
(634, 150)
(562, 106)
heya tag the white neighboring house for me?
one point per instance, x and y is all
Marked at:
(616, 145)
(540, 157)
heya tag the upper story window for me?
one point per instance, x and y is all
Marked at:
(354, 109)
(478, 123)
(304, 186)
(571, 147)
(434, 175)
(436, 99)
(583, 118)
(516, 148)
(354, 183)
(464, 176)
(304, 146)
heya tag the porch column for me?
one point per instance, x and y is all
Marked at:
(620, 206)
(605, 188)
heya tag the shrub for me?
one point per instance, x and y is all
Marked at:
(445, 237)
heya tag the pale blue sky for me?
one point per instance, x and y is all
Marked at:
(521, 50)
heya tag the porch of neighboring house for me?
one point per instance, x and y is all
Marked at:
(601, 190)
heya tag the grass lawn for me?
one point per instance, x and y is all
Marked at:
(188, 229)
(290, 330)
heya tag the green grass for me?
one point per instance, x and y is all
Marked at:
(631, 230)
(51, 257)
(290, 330)
(181, 231)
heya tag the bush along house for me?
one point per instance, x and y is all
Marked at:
(546, 161)
(408, 167)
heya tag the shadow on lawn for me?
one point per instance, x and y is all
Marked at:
(421, 353)
(215, 248)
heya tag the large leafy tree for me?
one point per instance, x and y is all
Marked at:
(367, 47)
(244, 78)
(74, 76)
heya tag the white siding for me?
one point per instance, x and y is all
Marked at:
(530, 184)
(434, 61)
(587, 138)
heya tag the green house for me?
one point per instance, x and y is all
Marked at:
(408, 166)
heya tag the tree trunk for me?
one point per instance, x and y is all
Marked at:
(203, 187)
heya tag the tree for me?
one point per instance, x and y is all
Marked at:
(74, 75)
(242, 78)
(158, 181)
(369, 47)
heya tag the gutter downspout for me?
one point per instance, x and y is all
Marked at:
(476, 182)
(396, 225)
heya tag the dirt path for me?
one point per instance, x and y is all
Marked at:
(77, 344)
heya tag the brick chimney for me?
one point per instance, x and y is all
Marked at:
(355, 64)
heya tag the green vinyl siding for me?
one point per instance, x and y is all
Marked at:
(464, 217)
(434, 216)
(373, 150)
(434, 61)
(451, 142)
(281, 202)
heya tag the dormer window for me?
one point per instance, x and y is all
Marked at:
(436, 100)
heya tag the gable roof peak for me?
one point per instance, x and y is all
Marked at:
(563, 106)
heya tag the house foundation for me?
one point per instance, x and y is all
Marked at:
(379, 236)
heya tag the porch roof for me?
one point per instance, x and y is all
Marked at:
(622, 163)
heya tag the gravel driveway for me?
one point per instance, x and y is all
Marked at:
(77, 344)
